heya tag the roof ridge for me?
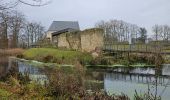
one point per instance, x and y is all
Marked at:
(65, 21)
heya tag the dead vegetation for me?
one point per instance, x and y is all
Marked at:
(11, 52)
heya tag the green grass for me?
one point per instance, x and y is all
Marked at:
(4, 93)
(56, 55)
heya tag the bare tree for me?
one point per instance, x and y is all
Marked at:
(157, 31)
(161, 32)
(33, 32)
(35, 2)
(118, 30)
(165, 32)
(16, 24)
(4, 24)
(7, 4)
(12, 22)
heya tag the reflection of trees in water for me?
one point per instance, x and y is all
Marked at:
(94, 75)
(156, 84)
(165, 84)
(27, 68)
(94, 80)
(7, 65)
(166, 70)
(3, 66)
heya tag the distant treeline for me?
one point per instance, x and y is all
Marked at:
(17, 31)
(121, 31)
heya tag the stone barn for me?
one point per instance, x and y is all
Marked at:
(57, 26)
(72, 38)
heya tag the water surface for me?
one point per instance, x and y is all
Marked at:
(117, 81)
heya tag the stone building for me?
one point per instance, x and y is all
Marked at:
(72, 38)
(57, 26)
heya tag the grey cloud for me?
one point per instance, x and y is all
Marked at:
(87, 12)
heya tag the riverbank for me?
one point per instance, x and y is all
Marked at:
(120, 66)
(11, 52)
(41, 64)
(51, 55)
(62, 83)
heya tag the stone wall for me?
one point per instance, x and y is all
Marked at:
(87, 40)
(91, 39)
(62, 41)
(49, 34)
(74, 40)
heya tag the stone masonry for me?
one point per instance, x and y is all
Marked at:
(87, 40)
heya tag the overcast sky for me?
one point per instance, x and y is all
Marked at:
(144, 13)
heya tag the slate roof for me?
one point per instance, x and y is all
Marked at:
(61, 25)
(63, 31)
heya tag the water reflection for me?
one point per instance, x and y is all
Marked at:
(120, 80)
(143, 80)
(35, 73)
(143, 71)
(94, 80)
(4, 66)
(127, 83)
(166, 69)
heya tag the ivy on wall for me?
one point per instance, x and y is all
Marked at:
(74, 40)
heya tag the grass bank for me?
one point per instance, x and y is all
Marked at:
(52, 55)
(11, 52)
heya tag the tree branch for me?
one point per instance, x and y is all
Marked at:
(37, 1)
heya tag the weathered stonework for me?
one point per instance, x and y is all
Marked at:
(87, 40)
(49, 34)
(91, 39)
(74, 40)
(62, 41)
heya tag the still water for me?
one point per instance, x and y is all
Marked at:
(117, 81)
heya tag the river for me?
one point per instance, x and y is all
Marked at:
(116, 81)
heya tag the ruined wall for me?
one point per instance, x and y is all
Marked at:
(70, 40)
(49, 35)
(87, 40)
(55, 39)
(62, 41)
(91, 39)
(74, 40)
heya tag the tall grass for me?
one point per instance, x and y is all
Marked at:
(11, 52)
(71, 86)
(145, 96)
